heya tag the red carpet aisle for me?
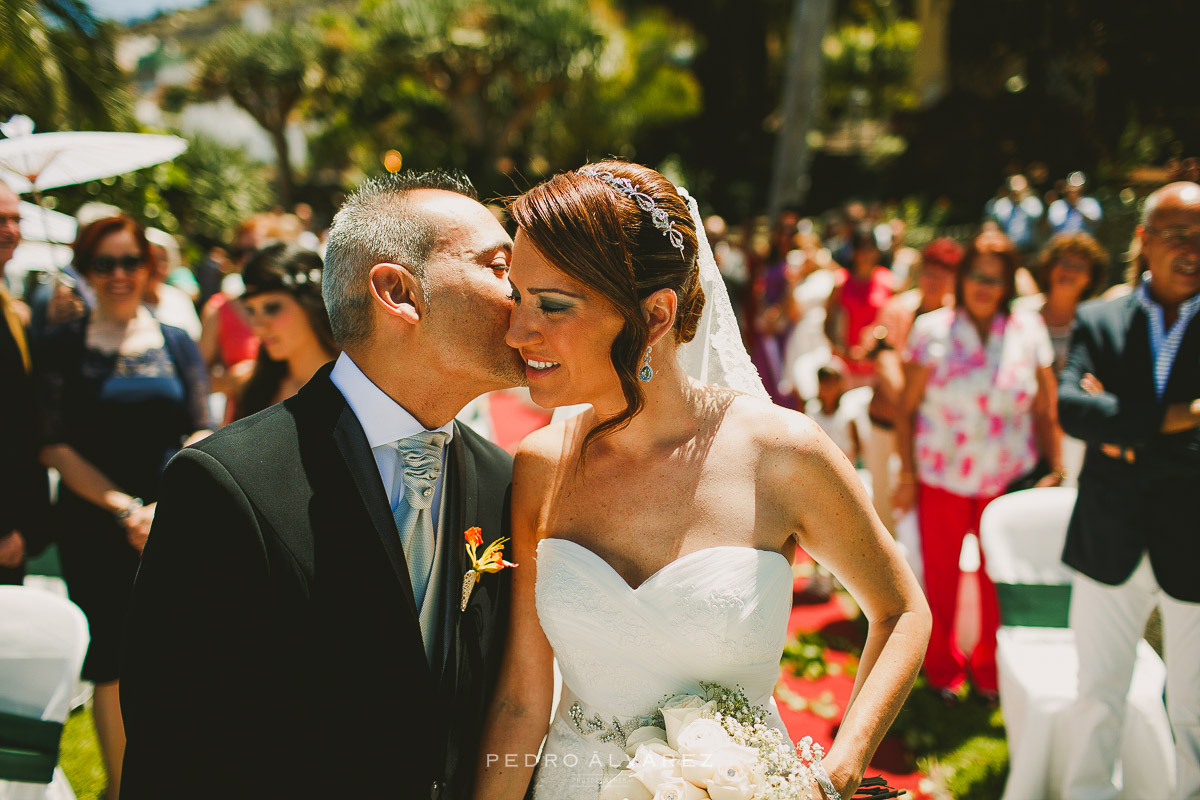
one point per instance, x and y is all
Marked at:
(815, 707)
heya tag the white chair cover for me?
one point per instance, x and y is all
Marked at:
(43, 639)
(58, 587)
(1022, 536)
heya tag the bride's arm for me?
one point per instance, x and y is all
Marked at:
(519, 715)
(837, 525)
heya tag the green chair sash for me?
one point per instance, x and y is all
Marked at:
(1034, 605)
(28, 748)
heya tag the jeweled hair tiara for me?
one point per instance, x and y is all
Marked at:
(661, 219)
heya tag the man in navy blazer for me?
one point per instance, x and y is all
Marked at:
(1131, 390)
(289, 635)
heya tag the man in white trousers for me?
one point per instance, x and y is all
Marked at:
(1131, 390)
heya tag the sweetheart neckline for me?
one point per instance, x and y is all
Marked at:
(664, 567)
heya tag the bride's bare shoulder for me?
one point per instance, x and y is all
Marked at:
(770, 426)
(547, 447)
(785, 442)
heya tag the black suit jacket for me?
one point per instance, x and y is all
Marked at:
(24, 489)
(1125, 510)
(273, 647)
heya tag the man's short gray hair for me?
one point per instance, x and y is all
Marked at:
(377, 224)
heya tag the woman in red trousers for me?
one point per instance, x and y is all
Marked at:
(978, 413)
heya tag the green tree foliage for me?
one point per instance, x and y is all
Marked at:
(869, 57)
(498, 88)
(57, 66)
(641, 81)
(452, 82)
(268, 75)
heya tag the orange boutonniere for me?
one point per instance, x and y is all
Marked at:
(490, 561)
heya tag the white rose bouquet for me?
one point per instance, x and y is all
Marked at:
(715, 745)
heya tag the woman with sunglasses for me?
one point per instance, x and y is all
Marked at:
(120, 393)
(978, 413)
(287, 314)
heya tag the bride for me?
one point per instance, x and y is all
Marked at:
(655, 531)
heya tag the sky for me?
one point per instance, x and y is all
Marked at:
(125, 10)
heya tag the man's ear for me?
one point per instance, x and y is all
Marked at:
(660, 309)
(397, 291)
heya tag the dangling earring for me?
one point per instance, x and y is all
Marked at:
(646, 372)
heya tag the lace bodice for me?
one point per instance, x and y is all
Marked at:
(718, 614)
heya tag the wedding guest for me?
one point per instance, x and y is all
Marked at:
(119, 393)
(287, 313)
(210, 272)
(775, 313)
(1074, 212)
(901, 259)
(857, 297)
(167, 303)
(812, 276)
(935, 276)
(1131, 389)
(1017, 214)
(227, 340)
(66, 295)
(24, 491)
(1072, 267)
(977, 414)
(834, 417)
(178, 275)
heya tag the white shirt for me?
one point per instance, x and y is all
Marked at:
(384, 421)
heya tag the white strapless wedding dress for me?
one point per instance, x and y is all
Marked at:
(718, 614)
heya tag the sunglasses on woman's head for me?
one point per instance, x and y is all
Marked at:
(107, 265)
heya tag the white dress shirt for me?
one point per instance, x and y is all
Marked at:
(384, 421)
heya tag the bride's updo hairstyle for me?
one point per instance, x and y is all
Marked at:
(598, 235)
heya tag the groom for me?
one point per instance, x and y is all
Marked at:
(296, 627)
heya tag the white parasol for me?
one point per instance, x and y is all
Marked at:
(34, 162)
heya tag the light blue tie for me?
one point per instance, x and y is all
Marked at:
(421, 462)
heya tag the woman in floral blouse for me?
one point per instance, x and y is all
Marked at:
(979, 411)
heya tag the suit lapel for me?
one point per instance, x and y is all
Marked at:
(1136, 350)
(356, 452)
(461, 511)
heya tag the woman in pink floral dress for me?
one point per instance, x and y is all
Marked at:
(979, 412)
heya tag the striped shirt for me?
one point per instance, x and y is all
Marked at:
(1164, 344)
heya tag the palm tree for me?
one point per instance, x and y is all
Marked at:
(58, 67)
